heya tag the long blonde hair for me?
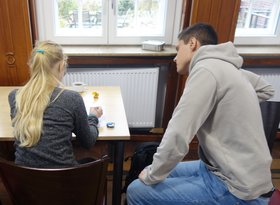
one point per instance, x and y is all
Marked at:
(33, 98)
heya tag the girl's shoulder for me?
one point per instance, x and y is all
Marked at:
(66, 95)
(66, 92)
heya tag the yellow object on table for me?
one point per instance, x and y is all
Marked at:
(95, 94)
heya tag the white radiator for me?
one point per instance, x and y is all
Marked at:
(138, 86)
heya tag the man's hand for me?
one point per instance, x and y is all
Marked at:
(142, 175)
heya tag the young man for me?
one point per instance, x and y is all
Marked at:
(220, 105)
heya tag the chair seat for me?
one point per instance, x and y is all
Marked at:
(275, 198)
(83, 184)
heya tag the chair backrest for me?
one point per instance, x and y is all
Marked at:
(83, 184)
(271, 118)
(275, 198)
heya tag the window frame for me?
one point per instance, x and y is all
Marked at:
(46, 26)
(259, 38)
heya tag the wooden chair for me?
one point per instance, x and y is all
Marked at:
(84, 184)
(271, 118)
(275, 198)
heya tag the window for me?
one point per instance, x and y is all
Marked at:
(258, 22)
(108, 21)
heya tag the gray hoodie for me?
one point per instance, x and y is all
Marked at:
(220, 105)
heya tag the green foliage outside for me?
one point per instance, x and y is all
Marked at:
(66, 6)
(125, 7)
(64, 9)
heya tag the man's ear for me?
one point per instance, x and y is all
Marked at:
(194, 44)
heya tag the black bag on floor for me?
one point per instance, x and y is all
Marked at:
(142, 157)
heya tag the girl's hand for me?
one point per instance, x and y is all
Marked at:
(97, 111)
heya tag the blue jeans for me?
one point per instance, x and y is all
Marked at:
(190, 183)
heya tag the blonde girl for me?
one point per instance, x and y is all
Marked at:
(44, 114)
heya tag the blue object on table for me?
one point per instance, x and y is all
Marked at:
(110, 124)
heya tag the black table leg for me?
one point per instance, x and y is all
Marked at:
(118, 171)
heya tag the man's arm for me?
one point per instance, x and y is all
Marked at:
(263, 89)
(192, 110)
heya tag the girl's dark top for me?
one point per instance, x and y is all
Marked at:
(65, 115)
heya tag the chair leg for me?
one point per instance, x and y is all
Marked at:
(105, 193)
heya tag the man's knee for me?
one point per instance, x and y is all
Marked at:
(137, 192)
(135, 186)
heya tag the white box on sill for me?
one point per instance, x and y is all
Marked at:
(153, 45)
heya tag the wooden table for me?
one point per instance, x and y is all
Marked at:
(110, 99)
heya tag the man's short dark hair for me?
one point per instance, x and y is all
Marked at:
(203, 32)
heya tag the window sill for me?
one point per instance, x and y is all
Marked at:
(125, 50)
(116, 51)
(258, 51)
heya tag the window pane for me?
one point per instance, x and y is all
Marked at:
(89, 22)
(141, 17)
(257, 17)
(78, 17)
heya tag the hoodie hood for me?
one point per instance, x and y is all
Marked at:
(224, 51)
